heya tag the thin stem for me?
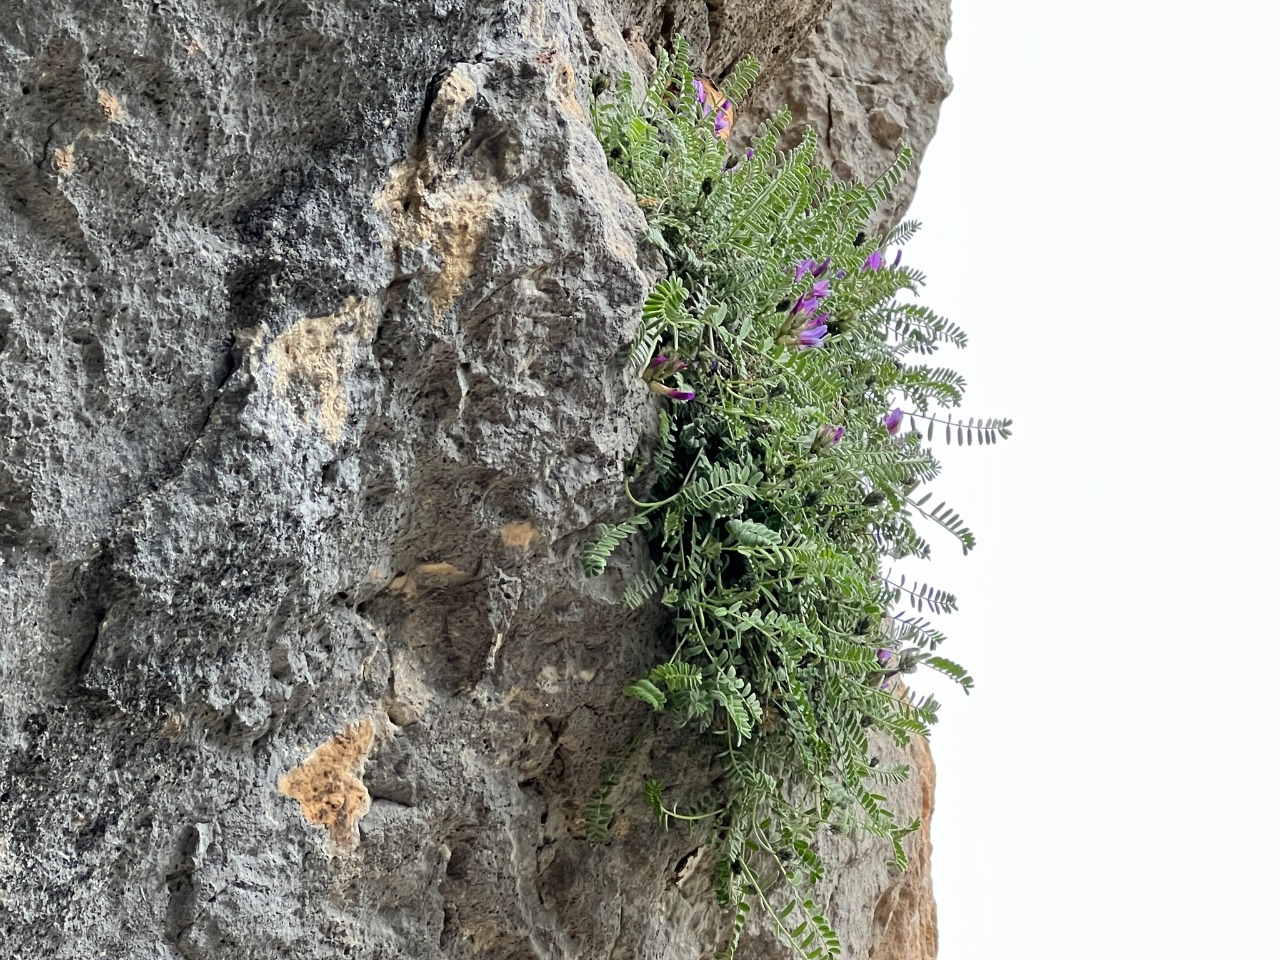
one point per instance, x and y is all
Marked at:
(691, 817)
(647, 507)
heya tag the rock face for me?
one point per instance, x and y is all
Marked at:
(309, 396)
(906, 916)
(870, 76)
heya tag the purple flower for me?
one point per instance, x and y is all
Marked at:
(884, 655)
(671, 393)
(813, 332)
(722, 119)
(893, 420)
(822, 288)
(898, 259)
(804, 268)
(841, 274)
(873, 262)
(810, 266)
(827, 436)
(700, 91)
(884, 684)
(806, 304)
(751, 152)
(663, 366)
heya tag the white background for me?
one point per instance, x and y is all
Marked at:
(1100, 213)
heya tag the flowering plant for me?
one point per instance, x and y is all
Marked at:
(780, 488)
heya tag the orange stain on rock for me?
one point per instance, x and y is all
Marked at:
(327, 784)
(110, 106)
(64, 159)
(442, 569)
(521, 534)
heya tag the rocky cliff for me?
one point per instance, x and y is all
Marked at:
(309, 395)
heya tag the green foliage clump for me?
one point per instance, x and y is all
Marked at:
(782, 486)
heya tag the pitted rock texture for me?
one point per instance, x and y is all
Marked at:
(906, 916)
(328, 784)
(869, 77)
(722, 32)
(310, 393)
(867, 901)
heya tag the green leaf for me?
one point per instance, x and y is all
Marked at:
(951, 669)
(641, 589)
(599, 815)
(596, 555)
(748, 533)
(646, 691)
(772, 552)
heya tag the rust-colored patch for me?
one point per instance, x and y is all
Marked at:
(64, 159)
(449, 217)
(907, 914)
(404, 585)
(459, 231)
(110, 106)
(562, 82)
(520, 534)
(317, 354)
(327, 784)
(451, 222)
(402, 196)
(456, 89)
(438, 569)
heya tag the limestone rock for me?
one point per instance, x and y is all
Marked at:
(878, 911)
(722, 32)
(906, 915)
(310, 394)
(872, 74)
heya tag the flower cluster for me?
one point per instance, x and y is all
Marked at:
(791, 469)
(659, 368)
(805, 327)
(828, 436)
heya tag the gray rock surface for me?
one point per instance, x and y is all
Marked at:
(721, 32)
(870, 76)
(309, 396)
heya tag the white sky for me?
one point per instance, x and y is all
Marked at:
(1100, 214)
